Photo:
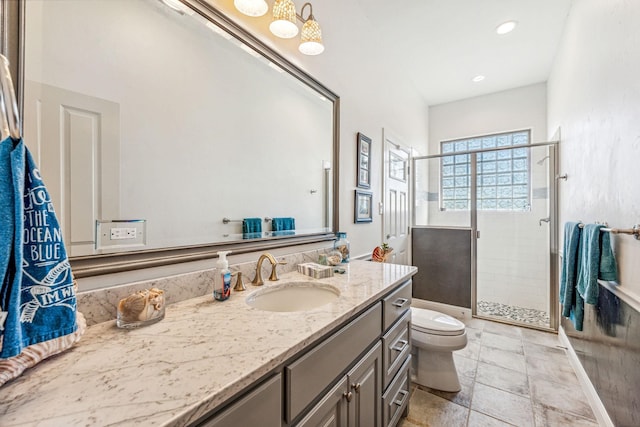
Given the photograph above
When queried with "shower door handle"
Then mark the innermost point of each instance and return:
(547, 220)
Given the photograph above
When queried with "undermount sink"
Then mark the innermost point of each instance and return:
(293, 296)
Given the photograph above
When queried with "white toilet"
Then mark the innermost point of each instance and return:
(434, 337)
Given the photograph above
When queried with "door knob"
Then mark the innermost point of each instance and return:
(348, 395)
(356, 387)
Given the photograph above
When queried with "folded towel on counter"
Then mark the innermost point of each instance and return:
(283, 224)
(572, 302)
(252, 225)
(37, 294)
(595, 261)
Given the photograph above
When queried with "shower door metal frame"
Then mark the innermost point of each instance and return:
(552, 181)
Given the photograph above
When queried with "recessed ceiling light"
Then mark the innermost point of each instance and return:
(478, 78)
(506, 27)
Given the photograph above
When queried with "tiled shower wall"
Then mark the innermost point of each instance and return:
(513, 258)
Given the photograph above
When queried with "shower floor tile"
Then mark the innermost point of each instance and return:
(529, 316)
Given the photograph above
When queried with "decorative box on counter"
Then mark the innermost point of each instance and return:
(317, 271)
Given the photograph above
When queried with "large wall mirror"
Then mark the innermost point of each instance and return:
(159, 130)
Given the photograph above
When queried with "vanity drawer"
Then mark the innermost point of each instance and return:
(396, 303)
(308, 376)
(396, 345)
(396, 399)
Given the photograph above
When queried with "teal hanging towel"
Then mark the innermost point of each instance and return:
(572, 302)
(283, 224)
(37, 297)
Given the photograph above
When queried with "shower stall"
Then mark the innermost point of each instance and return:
(485, 228)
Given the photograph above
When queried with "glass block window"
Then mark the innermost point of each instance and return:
(502, 176)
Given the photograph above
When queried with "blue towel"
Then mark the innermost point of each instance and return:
(37, 292)
(595, 261)
(572, 302)
(608, 269)
(283, 224)
(251, 235)
(252, 225)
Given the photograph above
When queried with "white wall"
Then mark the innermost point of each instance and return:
(513, 261)
(594, 97)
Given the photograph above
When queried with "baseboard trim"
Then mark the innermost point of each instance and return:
(592, 395)
(461, 313)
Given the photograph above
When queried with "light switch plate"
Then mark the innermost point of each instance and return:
(115, 234)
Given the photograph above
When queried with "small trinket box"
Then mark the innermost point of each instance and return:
(314, 270)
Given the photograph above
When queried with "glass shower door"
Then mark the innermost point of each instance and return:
(514, 222)
(484, 234)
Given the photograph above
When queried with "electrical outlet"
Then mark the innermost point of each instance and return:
(122, 233)
(119, 234)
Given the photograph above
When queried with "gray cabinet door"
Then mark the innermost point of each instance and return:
(331, 411)
(365, 386)
(261, 407)
(307, 377)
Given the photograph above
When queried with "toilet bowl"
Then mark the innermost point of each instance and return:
(434, 338)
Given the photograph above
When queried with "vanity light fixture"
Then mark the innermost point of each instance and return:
(251, 7)
(506, 27)
(284, 19)
(284, 24)
(311, 37)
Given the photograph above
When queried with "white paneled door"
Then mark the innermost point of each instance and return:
(73, 135)
(396, 213)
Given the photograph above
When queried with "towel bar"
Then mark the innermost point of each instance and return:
(226, 220)
(635, 231)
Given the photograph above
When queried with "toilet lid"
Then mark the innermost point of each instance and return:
(432, 322)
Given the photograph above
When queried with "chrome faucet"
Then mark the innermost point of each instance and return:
(257, 280)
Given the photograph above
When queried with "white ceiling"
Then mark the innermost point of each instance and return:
(440, 45)
(435, 46)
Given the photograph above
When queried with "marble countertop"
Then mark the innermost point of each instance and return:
(171, 373)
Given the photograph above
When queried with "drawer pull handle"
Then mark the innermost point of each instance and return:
(400, 348)
(404, 397)
(348, 395)
(400, 302)
(356, 387)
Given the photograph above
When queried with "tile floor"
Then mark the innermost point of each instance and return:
(510, 376)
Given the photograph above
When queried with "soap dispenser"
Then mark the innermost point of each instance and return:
(222, 277)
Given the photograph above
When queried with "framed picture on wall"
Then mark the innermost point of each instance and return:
(363, 175)
(363, 206)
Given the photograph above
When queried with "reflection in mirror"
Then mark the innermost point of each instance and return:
(140, 112)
